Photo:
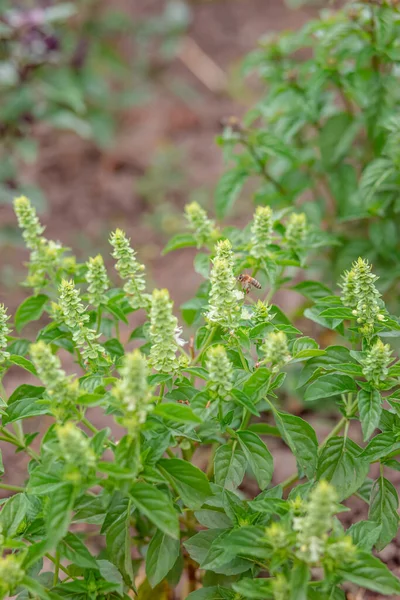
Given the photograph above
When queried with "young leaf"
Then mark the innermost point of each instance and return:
(299, 579)
(12, 514)
(157, 507)
(365, 534)
(370, 573)
(31, 309)
(384, 503)
(118, 544)
(254, 589)
(73, 548)
(330, 385)
(228, 189)
(380, 446)
(176, 412)
(229, 466)
(191, 483)
(301, 439)
(370, 408)
(258, 456)
(340, 464)
(58, 513)
(180, 240)
(161, 557)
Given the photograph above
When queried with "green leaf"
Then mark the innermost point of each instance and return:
(229, 466)
(190, 482)
(180, 240)
(58, 512)
(301, 439)
(12, 514)
(157, 507)
(161, 557)
(380, 446)
(258, 456)
(199, 544)
(249, 541)
(339, 312)
(254, 589)
(24, 363)
(257, 384)
(365, 534)
(31, 309)
(116, 311)
(340, 464)
(242, 399)
(384, 503)
(118, 541)
(36, 588)
(76, 551)
(176, 412)
(330, 385)
(370, 408)
(42, 483)
(312, 290)
(370, 573)
(23, 403)
(228, 189)
(300, 576)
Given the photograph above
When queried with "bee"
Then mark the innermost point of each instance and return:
(231, 122)
(247, 281)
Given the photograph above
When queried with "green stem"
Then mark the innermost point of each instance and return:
(11, 488)
(210, 466)
(170, 453)
(243, 360)
(161, 394)
(63, 569)
(12, 439)
(117, 334)
(89, 425)
(56, 568)
(207, 342)
(79, 359)
(98, 320)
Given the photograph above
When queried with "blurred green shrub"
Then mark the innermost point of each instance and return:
(325, 133)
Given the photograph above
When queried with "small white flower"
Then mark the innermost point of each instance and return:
(177, 335)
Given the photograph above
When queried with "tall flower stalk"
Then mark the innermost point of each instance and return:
(129, 269)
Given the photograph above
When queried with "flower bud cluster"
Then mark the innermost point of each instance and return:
(11, 574)
(60, 389)
(164, 333)
(376, 363)
(261, 231)
(46, 255)
(203, 228)
(275, 349)
(4, 331)
(280, 587)
(314, 526)
(359, 292)
(220, 371)
(296, 230)
(224, 301)
(98, 281)
(261, 313)
(75, 447)
(130, 269)
(75, 317)
(132, 391)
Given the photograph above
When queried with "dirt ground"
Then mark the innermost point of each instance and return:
(92, 191)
